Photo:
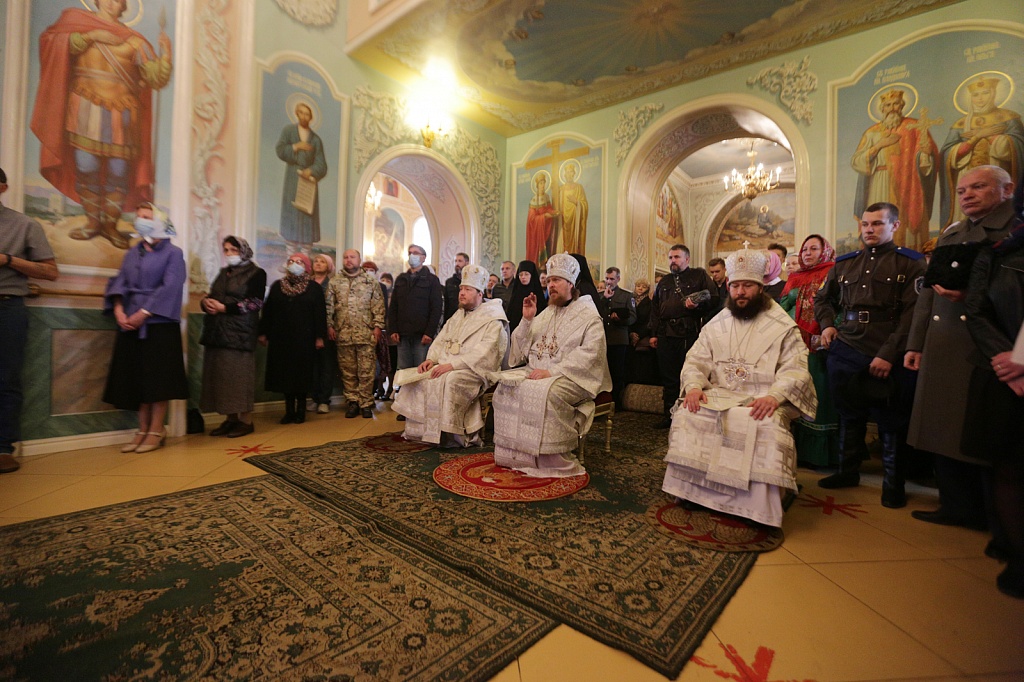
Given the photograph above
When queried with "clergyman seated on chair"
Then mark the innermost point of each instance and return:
(440, 398)
(730, 448)
(542, 408)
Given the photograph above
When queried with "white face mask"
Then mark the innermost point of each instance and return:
(233, 260)
(415, 260)
(296, 269)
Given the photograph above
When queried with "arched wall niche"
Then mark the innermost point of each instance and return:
(443, 194)
(672, 138)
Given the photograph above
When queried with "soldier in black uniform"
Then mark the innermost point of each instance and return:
(676, 318)
(865, 308)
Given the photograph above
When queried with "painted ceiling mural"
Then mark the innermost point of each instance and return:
(529, 63)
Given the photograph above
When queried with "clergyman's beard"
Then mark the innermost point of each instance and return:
(748, 312)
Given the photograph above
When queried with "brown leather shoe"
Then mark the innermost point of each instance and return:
(8, 463)
(241, 429)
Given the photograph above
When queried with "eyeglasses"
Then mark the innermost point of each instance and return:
(294, 260)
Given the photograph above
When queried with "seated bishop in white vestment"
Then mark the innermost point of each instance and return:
(730, 447)
(444, 407)
(542, 408)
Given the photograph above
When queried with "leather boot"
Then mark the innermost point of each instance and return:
(851, 447)
(894, 495)
(300, 409)
(289, 410)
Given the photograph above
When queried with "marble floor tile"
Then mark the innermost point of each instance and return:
(961, 617)
(816, 630)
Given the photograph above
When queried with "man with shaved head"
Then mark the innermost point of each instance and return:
(355, 318)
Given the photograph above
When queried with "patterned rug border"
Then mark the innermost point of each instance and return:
(502, 655)
(773, 540)
(442, 473)
(736, 566)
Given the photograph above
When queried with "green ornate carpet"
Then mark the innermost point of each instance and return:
(241, 581)
(591, 560)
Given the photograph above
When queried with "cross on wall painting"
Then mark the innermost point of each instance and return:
(558, 200)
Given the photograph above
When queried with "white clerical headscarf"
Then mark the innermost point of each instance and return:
(475, 276)
(565, 266)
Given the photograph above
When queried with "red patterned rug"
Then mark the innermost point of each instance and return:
(478, 477)
(712, 530)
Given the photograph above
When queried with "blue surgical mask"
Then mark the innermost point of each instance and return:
(415, 260)
(146, 227)
(234, 260)
(296, 269)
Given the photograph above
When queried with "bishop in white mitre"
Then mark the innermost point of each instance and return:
(444, 409)
(543, 408)
(743, 381)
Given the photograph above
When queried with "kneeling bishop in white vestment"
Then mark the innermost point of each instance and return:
(542, 409)
(445, 408)
(744, 380)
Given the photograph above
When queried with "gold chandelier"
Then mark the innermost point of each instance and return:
(755, 181)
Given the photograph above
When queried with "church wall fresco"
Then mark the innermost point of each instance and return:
(95, 146)
(302, 147)
(906, 130)
(768, 218)
(558, 200)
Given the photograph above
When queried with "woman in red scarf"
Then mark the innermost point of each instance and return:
(817, 442)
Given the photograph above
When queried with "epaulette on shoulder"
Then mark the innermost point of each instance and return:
(909, 253)
(847, 256)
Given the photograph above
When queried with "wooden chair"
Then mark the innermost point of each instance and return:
(604, 406)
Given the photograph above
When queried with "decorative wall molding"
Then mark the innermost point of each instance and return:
(310, 12)
(691, 132)
(631, 124)
(208, 112)
(447, 265)
(426, 179)
(638, 263)
(703, 203)
(380, 124)
(792, 83)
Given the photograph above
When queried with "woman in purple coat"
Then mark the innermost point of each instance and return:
(147, 369)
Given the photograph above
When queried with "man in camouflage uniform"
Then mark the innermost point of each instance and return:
(865, 308)
(355, 314)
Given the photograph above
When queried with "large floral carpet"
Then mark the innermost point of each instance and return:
(590, 560)
(243, 581)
